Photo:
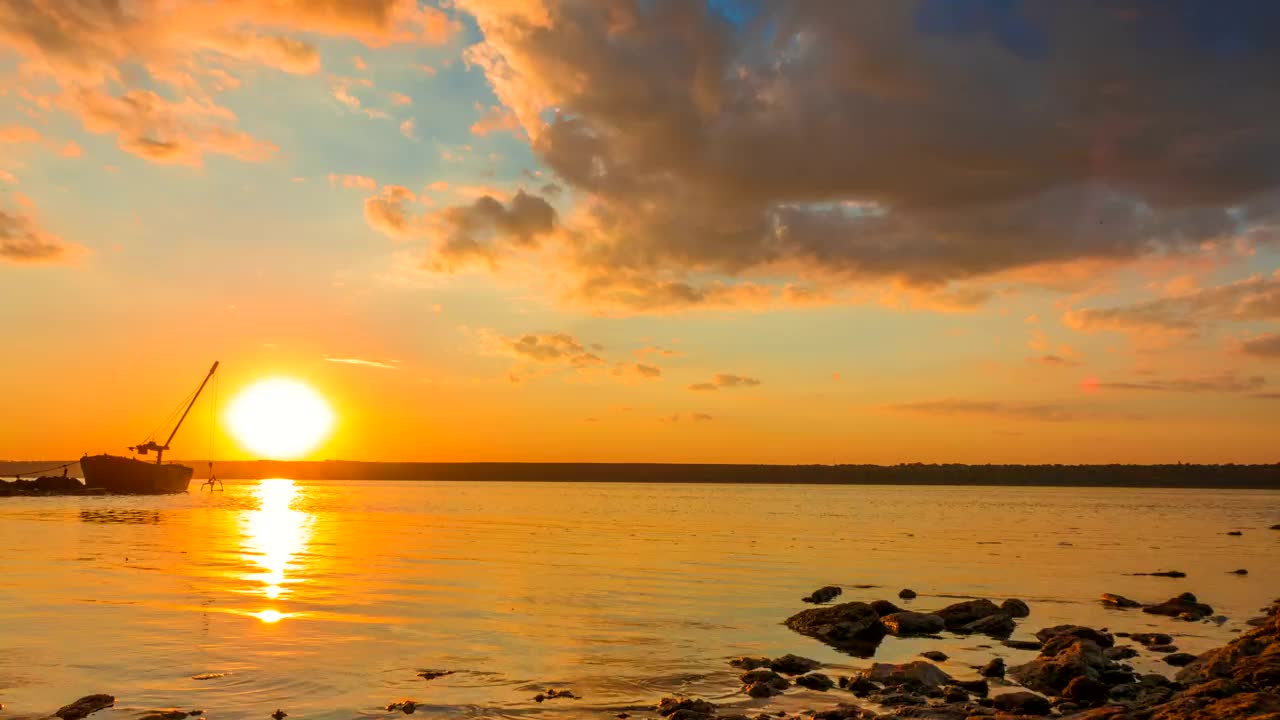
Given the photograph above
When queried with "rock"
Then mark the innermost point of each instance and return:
(1245, 706)
(1118, 601)
(763, 682)
(998, 625)
(1276, 526)
(1015, 608)
(1180, 659)
(1076, 632)
(908, 594)
(976, 687)
(1162, 648)
(815, 681)
(1151, 638)
(433, 674)
(279, 714)
(409, 707)
(1165, 573)
(1184, 604)
(1022, 644)
(895, 699)
(994, 669)
(1051, 673)
(1086, 691)
(1235, 532)
(85, 706)
(1253, 659)
(884, 607)
(1116, 676)
(852, 627)
(963, 613)
(793, 664)
(954, 694)
(762, 690)
(750, 663)
(1022, 703)
(912, 623)
(1241, 571)
(163, 714)
(935, 655)
(551, 694)
(694, 707)
(1120, 652)
(823, 594)
(915, 674)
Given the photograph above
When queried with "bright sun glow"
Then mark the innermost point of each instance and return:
(280, 418)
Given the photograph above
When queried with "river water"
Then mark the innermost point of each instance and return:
(325, 599)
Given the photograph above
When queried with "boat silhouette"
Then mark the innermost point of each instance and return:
(131, 476)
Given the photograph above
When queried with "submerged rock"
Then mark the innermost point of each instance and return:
(85, 706)
(1180, 659)
(1022, 644)
(935, 655)
(912, 623)
(793, 664)
(915, 674)
(884, 607)
(279, 714)
(1058, 633)
(960, 614)
(408, 707)
(1165, 573)
(852, 627)
(1241, 571)
(823, 594)
(692, 707)
(1015, 608)
(1118, 601)
(815, 681)
(1151, 638)
(763, 682)
(749, 662)
(998, 625)
(908, 594)
(1184, 604)
(995, 668)
(1235, 532)
(433, 674)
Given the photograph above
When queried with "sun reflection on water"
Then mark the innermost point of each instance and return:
(274, 534)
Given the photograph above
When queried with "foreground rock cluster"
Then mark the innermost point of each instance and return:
(44, 486)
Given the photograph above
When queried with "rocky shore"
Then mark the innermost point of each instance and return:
(1079, 673)
(46, 486)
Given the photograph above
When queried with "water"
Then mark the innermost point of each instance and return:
(326, 598)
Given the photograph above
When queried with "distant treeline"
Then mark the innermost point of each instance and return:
(1154, 476)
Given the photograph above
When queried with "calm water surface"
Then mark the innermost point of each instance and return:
(325, 599)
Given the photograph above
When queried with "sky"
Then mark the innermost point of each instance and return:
(647, 230)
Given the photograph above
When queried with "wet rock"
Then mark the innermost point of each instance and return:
(1151, 638)
(1245, 706)
(279, 714)
(1015, 608)
(761, 690)
(1162, 648)
(1051, 673)
(908, 594)
(852, 627)
(1180, 659)
(912, 623)
(916, 674)
(763, 682)
(1118, 601)
(1235, 532)
(823, 594)
(1184, 604)
(1253, 659)
(1086, 691)
(433, 674)
(85, 706)
(954, 694)
(935, 655)
(1060, 633)
(691, 707)
(1276, 526)
(1165, 573)
(861, 686)
(1120, 652)
(995, 668)
(975, 687)
(409, 707)
(164, 714)
(960, 614)
(840, 712)
(1241, 571)
(552, 694)
(750, 663)
(896, 699)
(884, 607)
(793, 664)
(998, 625)
(815, 681)
(1022, 703)
(1022, 644)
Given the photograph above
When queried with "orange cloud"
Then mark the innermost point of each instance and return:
(24, 242)
(352, 181)
(401, 99)
(18, 134)
(495, 119)
(389, 212)
(725, 380)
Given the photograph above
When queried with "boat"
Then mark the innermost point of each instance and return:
(131, 476)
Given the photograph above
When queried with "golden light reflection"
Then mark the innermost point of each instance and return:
(274, 534)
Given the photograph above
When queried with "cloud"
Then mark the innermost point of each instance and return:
(725, 380)
(1053, 361)
(401, 99)
(18, 134)
(494, 119)
(352, 181)
(644, 352)
(388, 211)
(1254, 298)
(1266, 345)
(24, 242)
(464, 234)
(696, 417)
(407, 128)
(989, 408)
(864, 142)
(366, 363)
(637, 370)
(543, 348)
(1226, 382)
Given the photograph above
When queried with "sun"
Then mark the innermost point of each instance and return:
(280, 418)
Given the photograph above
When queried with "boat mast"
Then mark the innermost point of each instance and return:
(151, 445)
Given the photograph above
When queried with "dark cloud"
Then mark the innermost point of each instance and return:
(948, 407)
(637, 370)
(23, 241)
(479, 231)
(1267, 346)
(725, 380)
(1254, 298)
(1227, 382)
(854, 140)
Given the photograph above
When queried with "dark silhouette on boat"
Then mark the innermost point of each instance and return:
(131, 476)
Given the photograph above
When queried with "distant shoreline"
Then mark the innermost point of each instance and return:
(1227, 476)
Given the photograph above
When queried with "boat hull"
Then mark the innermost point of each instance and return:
(127, 476)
